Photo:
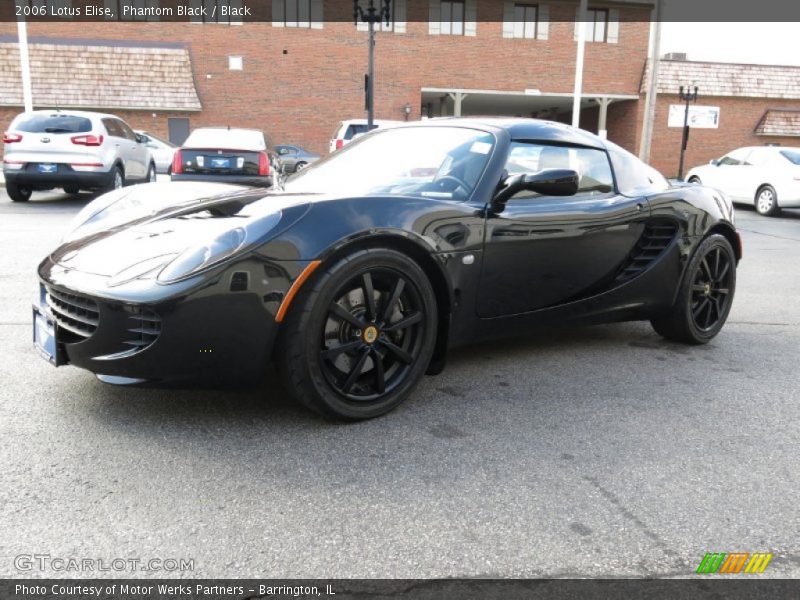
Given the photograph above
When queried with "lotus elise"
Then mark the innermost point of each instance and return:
(359, 273)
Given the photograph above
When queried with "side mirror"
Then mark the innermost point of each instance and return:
(713, 162)
(142, 139)
(548, 182)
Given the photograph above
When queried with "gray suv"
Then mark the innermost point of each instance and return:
(73, 150)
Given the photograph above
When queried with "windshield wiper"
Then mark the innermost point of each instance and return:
(57, 130)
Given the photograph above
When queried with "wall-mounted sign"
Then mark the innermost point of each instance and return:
(700, 117)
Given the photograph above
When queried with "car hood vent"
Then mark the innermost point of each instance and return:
(655, 239)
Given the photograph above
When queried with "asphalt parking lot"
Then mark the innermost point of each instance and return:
(600, 452)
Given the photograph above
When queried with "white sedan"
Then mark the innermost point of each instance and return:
(767, 177)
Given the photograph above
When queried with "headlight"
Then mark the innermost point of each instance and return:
(225, 245)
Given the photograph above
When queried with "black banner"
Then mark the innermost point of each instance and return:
(423, 589)
(255, 11)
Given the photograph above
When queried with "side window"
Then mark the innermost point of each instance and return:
(633, 176)
(127, 132)
(112, 128)
(591, 165)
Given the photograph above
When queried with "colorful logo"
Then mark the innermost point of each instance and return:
(734, 562)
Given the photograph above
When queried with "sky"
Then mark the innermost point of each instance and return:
(757, 43)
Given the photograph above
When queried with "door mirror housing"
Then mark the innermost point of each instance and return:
(547, 182)
(142, 139)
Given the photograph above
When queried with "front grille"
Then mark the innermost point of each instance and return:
(657, 236)
(145, 327)
(76, 315)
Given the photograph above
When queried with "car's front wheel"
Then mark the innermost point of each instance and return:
(360, 337)
(767, 201)
(18, 193)
(151, 173)
(705, 296)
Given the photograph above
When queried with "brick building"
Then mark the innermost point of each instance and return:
(298, 75)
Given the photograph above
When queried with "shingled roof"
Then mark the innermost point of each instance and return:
(728, 79)
(101, 76)
(779, 122)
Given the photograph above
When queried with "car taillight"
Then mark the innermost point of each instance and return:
(177, 162)
(263, 163)
(11, 138)
(339, 144)
(87, 140)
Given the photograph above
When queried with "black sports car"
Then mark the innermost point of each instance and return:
(359, 275)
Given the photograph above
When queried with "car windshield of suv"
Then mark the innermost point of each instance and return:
(55, 123)
(430, 162)
(792, 155)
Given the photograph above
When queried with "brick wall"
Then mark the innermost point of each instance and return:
(297, 84)
(737, 121)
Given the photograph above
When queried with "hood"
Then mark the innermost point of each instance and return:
(126, 227)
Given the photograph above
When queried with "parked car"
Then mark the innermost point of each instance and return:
(347, 130)
(224, 154)
(767, 177)
(74, 150)
(359, 274)
(294, 158)
(163, 151)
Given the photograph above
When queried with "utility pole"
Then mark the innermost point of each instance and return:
(651, 96)
(371, 16)
(25, 64)
(688, 96)
(576, 98)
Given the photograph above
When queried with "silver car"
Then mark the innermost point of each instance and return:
(73, 150)
(163, 151)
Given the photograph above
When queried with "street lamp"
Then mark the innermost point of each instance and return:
(687, 96)
(372, 16)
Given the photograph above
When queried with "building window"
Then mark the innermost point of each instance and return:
(602, 25)
(452, 22)
(297, 13)
(525, 17)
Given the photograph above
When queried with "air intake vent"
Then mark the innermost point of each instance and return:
(239, 281)
(145, 327)
(77, 316)
(655, 239)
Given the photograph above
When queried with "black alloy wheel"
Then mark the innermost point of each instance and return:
(705, 297)
(363, 336)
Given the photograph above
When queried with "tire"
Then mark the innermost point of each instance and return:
(71, 190)
(151, 173)
(18, 193)
(300, 166)
(695, 179)
(705, 296)
(333, 356)
(766, 201)
(117, 180)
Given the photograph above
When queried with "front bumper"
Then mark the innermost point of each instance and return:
(65, 177)
(250, 180)
(213, 329)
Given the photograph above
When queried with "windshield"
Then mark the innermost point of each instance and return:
(792, 155)
(432, 162)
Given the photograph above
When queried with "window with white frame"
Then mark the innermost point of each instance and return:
(601, 24)
(526, 21)
(453, 17)
(297, 13)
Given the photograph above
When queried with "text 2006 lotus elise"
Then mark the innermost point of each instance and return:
(365, 268)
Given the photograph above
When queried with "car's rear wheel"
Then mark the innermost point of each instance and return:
(300, 166)
(695, 179)
(18, 193)
(360, 337)
(766, 201)
(705, 296)
(117, 180)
